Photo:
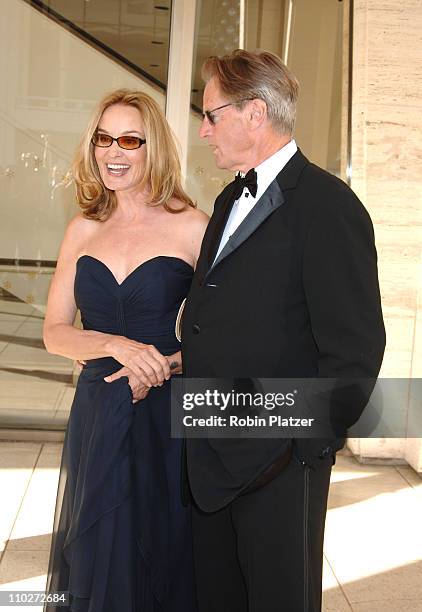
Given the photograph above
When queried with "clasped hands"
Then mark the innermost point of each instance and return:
(144, 366)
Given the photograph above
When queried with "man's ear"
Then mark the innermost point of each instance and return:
(257, 113)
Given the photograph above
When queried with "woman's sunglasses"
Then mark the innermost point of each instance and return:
(125, 142)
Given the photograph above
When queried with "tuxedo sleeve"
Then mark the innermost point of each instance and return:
(340, 281)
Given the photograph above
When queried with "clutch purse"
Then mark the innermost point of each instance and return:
(178, 325)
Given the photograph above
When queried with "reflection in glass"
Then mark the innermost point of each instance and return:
(53, 81)
(137, 31)
(217, 33)
(309, 37)
(312, 38)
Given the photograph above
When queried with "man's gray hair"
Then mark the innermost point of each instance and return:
(243, 75)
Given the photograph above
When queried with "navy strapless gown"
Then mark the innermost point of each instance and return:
(122, 539)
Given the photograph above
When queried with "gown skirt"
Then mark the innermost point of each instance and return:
(121, 536)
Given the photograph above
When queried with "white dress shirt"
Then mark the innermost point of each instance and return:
(266, 173)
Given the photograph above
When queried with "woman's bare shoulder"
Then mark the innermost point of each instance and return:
(77, 232)
(194, 224)
(79, 223)
(196, 216)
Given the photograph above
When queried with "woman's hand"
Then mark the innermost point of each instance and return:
(148, 365)
(139, 390)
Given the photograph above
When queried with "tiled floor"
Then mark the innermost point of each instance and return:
(373, 542)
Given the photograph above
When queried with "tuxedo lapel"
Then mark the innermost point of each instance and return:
(272, 199)
(266, 205)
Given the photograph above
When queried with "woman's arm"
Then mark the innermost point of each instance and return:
(196, 232)
(62, 338)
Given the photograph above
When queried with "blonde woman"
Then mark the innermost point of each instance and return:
(121, 535)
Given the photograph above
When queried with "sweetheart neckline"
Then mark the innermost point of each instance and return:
(135, 269)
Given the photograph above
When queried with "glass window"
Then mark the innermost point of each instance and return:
(137, 31)
(53, 81)
(312, 39)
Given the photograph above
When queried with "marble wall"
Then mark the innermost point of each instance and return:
(387, 176)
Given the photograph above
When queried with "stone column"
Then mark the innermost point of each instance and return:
(387, 176)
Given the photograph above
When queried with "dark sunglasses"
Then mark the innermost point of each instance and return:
(125, 142)
(209, 114)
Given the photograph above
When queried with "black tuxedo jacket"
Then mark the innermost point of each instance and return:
(293, 294)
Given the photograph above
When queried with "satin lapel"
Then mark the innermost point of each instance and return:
(269, 202)
(220, 222)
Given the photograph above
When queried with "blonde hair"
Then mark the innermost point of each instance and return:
(243, 75)
(162, 175)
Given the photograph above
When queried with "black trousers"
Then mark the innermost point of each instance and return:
(263, 552)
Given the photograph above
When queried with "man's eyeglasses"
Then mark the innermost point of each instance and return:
(209, 114)
(125, 142)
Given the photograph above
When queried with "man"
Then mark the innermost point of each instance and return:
(286, 287)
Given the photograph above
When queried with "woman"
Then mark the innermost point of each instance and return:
(121, 536)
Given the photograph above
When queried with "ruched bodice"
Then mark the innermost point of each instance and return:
(143, 307)
(122, 538)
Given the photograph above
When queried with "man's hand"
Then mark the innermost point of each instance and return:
(175, 362)
(139, 389)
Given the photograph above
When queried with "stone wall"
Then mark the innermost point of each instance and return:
(387, 176)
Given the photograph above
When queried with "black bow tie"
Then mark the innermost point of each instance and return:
(249, 181)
